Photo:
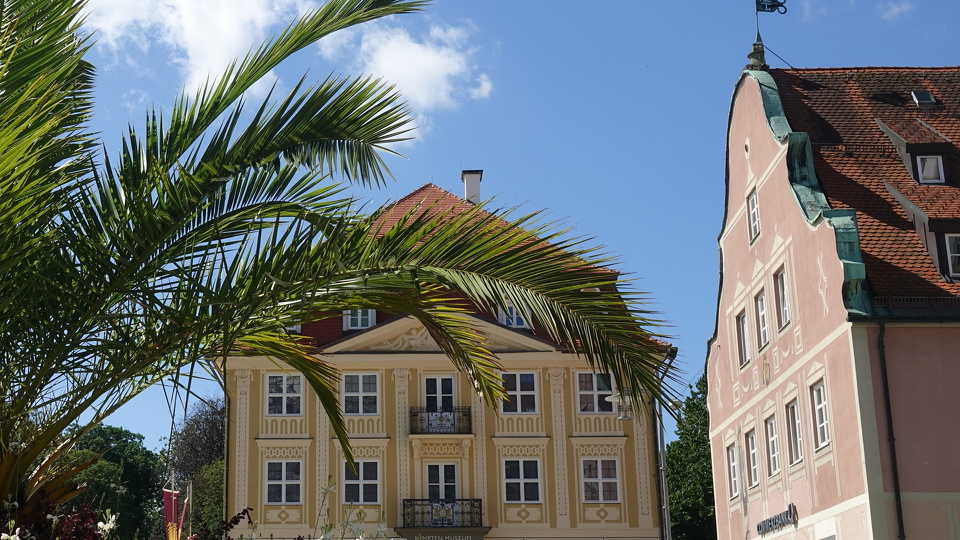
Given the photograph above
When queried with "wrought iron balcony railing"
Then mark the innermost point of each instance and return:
(442, 513)
(425, 420)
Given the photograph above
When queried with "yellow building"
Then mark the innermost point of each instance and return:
(555, 460)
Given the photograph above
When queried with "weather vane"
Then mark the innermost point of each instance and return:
(769, 6)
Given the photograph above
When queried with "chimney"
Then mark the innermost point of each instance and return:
(471, 185)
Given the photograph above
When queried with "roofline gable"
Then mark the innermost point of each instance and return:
(506, 340)
(808, 192)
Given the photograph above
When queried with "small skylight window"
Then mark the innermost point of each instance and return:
(923, 98)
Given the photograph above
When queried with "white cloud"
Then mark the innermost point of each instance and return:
(483, 89)
(893, 11)
(201, 38)
(424, 71)
(135, 101)
(811, 9)
(433, 69)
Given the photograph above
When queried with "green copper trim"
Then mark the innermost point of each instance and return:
(809, 194)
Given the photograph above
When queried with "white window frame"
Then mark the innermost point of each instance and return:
(773, 446)
(795, 432)
(821, 421)
(361, 481)
(732, 470)
(600, 481)
(753, 214)
(594, 398)
(753, 464)
(290, 399)
(511, 317)
(516, 394)
(760, 303)
(939, 161)
(288, 467)
(522, 481)
(953, 255)
(782, 292)
(361, 393)
(359, 319)
(743, 338)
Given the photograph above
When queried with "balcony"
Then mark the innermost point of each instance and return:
(427, 513)
(428, 421)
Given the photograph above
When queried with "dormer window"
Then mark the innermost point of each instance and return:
(358, 319)
(930, 169)
(953, 254)
(511, 316)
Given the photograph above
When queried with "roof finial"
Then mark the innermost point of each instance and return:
(758, 61)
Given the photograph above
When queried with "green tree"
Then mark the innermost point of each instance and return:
(220, 224)
(689, 476)
(199, 439)
(126, 480)
(197, 460)
(206, 510)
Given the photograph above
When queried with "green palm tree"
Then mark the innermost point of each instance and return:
(217, 227)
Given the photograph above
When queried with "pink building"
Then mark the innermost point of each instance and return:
(834, 370)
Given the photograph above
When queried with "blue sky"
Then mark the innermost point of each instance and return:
(610, 114)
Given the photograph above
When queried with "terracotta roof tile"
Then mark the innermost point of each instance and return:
(856, 161)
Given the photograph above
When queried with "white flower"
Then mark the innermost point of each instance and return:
(110, 525)
(14, 536)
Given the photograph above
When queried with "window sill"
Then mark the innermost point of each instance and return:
(823, 446)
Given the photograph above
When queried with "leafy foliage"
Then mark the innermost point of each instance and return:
(197, 459)
(127, 478)
(199, 439)
(206, 510)
(217, 227)
(689, 477)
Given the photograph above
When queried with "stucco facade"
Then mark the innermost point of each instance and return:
(824, 324)
(433, 460)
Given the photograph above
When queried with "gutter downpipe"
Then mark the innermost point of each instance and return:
(658, 437)
(663, 494)
(898, 499)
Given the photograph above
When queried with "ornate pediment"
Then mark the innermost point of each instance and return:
(408, 335)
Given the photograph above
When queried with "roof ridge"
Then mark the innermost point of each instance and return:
(870, 68)
(423, 188)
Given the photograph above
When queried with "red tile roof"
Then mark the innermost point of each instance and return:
(427, 197)
(855, 160)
